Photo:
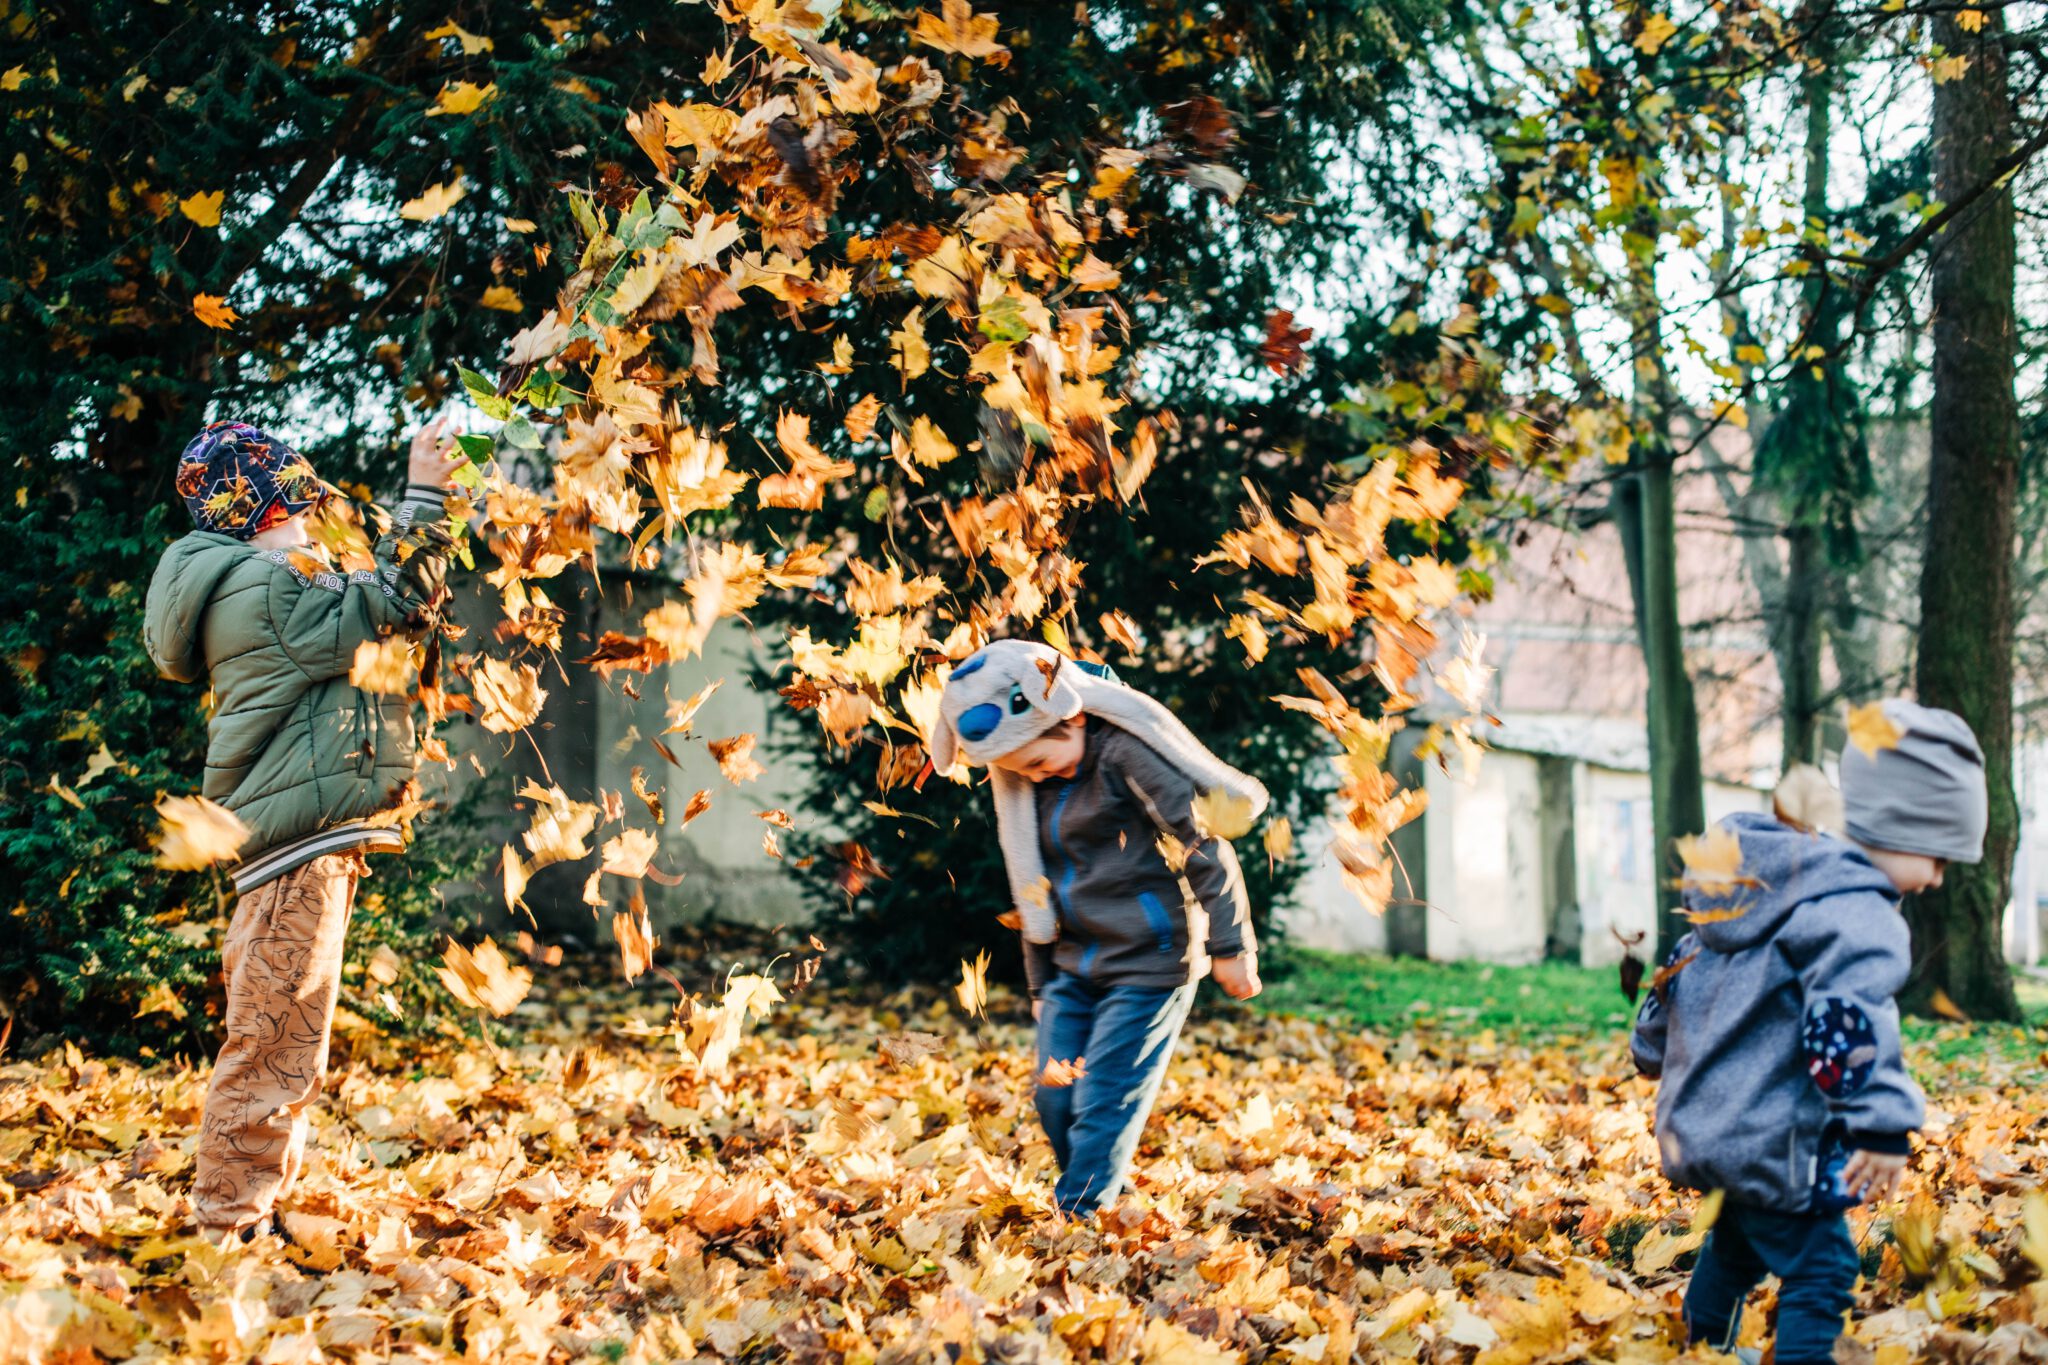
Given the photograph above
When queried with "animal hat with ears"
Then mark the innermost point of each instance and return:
(1011, 692)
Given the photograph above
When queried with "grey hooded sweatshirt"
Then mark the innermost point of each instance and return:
(1777, 1040)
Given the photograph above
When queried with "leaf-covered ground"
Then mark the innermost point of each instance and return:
(866, 1182)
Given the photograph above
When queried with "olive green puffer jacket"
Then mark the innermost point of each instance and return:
(292, 748)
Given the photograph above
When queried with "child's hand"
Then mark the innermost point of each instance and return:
(1238, 976)
(1873, 1177)
(433, 458)
(1036, 1006)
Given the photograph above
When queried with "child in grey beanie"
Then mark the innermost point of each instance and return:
(1777, 1039)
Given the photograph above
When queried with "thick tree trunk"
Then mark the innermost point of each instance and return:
(1966, 584)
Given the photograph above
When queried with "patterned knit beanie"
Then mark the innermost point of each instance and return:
(239, 481)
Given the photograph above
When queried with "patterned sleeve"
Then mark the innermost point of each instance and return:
(1853, 954)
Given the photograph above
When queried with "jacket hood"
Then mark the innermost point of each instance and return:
(183, 587)
(1783, 868)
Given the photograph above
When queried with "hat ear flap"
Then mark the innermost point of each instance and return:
(945, 748)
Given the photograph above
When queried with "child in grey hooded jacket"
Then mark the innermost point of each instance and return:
(1776, 1036)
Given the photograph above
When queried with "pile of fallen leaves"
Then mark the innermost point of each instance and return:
(848, 1181)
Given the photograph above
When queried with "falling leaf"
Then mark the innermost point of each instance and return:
(482, 978)
(501, 298)
(1279, 839)
(472, 44)
(972, 992)
(1713, 861)
(860, 419)
(1872, 731)
(194, 833)
(510, 695)
(1123, 630)
(900, 1050)
(736, 758)
(384, 965)
(636, 940)
(1940, 1003)
(957, 28)
(160, 999)
(203, 208)
(1282, 349)
(681, 714)
(1219, 815)
(1656, 31)
(907, 348)
(99, 764)
(1059, 1073)
(461, 97)
(628, 853)
(213, 310)
(433, 201)
(383, 666)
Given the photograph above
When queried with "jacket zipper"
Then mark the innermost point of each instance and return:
(1063, 888)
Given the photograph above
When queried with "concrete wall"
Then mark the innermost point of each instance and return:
(1535, 856)
(592, 734)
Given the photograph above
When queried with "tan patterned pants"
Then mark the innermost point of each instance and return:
(282, 961)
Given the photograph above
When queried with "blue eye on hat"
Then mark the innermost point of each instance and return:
(1019, 703)
(979, 722)
(971, 663)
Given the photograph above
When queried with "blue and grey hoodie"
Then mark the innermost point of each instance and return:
(1777, 1041)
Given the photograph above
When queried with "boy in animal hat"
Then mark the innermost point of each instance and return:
(1124, 901)
(1777, 1040)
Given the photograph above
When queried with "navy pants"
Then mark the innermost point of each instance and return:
(1125, 1034)
(1815, 1261)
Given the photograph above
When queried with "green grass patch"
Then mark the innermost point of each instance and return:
(1559, 1002)
(1550, 1000)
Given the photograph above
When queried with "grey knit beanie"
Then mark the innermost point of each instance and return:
(1924, 794)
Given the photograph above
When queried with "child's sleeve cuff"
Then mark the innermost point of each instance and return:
(1890, 1144)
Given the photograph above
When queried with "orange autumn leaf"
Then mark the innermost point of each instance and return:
(213, 310)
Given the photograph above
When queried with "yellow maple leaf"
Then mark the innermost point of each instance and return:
(195, 833)
(502, 298)
(908, 350)
(1713, 861)
(957, 28)
(510, 694)
(472, 44)
(1219, 815)
(160, 999)
(1872, 731)
(213, 310)
(203, 208)
(463, 97)
(972, 992)
(482, 978)
(383, 666)
(1657, 31)
(928, 445)
(433, 201)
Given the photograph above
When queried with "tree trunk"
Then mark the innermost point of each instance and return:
(1645, 514)
(1798, 640)
(1966, 583)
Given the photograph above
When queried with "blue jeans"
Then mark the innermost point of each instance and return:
(1125, 1034)
(1815, 1261)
